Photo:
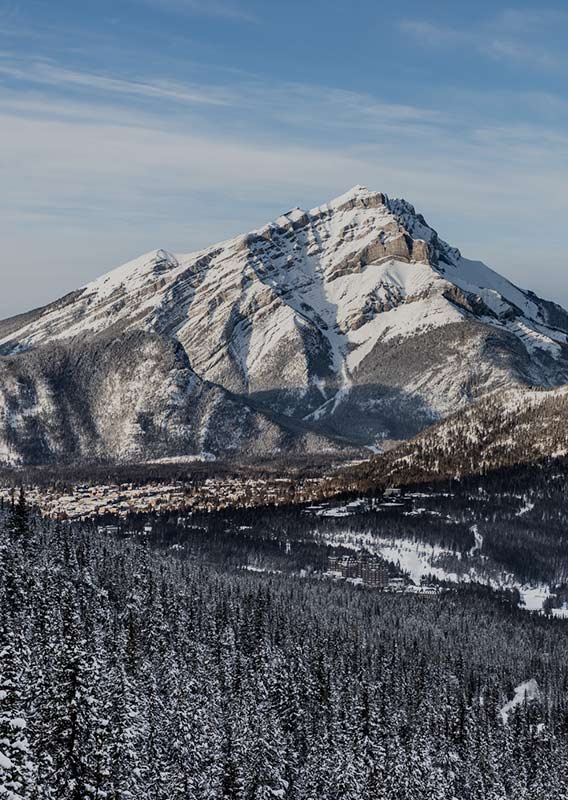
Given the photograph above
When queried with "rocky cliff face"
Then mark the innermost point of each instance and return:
(353, 319)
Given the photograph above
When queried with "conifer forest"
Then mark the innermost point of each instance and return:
(132, 669)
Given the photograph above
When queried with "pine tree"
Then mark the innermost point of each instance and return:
(17, 778)
(20, 514)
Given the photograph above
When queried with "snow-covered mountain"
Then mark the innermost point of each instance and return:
(353, 319)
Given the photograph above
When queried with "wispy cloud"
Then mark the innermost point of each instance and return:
(70, 153)
(223, 9)
(530, 20)
(433, 35)
(293, 103)
(521, 52)
(42, 72)
(95, 167)
(84, 134)
(507, 37)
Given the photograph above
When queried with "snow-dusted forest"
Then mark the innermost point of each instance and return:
(131, 673)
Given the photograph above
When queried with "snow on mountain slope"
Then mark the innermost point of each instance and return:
(353, 318)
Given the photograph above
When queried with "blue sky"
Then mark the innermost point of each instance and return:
(137, 124)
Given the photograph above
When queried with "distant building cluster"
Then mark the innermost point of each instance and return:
(373, 572)
(369, 570)
(84, 502)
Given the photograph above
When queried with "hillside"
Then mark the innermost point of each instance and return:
(504, 430)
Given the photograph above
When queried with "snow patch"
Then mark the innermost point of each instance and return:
(524, 693)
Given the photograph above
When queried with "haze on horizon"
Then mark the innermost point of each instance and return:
(139, 124)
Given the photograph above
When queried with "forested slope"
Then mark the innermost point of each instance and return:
(503, 431)
(127, 674)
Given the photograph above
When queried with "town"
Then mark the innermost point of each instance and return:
(86, 501)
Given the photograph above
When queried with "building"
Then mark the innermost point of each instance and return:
(370, 570)
(374, 573)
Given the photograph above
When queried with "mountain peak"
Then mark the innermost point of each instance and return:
(357, 195)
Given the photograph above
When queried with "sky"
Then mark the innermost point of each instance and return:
(131, 125)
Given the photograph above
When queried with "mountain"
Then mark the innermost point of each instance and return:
(503, 430)
(350, 323)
